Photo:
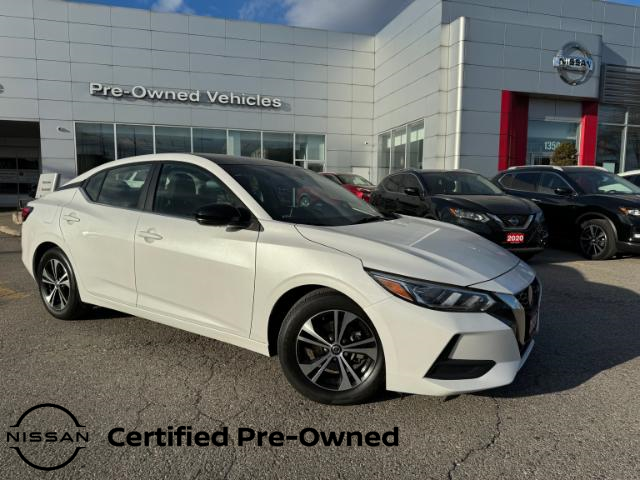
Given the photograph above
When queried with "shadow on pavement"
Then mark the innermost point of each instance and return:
(586, 328)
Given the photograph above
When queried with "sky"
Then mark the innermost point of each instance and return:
(357, 16)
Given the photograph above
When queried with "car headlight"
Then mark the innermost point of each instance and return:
(632, 212)
(433, 295)
(469, 215)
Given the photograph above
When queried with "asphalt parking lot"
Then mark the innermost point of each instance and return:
(573, 412)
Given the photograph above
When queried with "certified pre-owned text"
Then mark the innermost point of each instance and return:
(183, 436)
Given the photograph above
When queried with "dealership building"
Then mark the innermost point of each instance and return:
(475, 84)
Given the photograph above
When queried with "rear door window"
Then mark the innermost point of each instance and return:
(393, 183)
(123, 186)
(525, 182)
(93, 186)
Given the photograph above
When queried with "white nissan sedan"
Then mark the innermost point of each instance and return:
(351, 301)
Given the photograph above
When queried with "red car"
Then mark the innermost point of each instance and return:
(359, 186)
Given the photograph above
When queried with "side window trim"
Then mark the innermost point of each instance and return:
(502, 178)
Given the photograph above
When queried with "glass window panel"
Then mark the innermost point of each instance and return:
(634, 116)
(316, 166)
(384, 154)
(133, 140)
(399, 149)
(544, 137)
(183, 189)
(609, 147)
(209, 141)
(525, 182)
(123, 186)
(416, 144)
(611, 114)
(173, 140)
(632, 161)
(309, 147)
(244, 144)
(278, 146)
(94, 145)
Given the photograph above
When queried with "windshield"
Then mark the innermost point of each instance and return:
(459, 183)
(295, 195)
(599, 181)
(356, 180)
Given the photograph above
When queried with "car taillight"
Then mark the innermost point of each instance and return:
(26, 211)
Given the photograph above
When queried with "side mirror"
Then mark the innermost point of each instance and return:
(563, 191)
(412, 191)
(222, 214)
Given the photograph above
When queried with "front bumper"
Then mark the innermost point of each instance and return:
(536, 234)
(416, 340)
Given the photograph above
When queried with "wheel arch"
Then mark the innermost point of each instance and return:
(288, 299)
(595, 215)
(43, 248)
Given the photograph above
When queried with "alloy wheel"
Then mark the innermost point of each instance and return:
(56, 286)
(593, 240)
(336, 350)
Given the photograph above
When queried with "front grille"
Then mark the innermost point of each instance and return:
(515, 221)
(529, 298)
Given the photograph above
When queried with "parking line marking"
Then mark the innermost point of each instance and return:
(9, 294)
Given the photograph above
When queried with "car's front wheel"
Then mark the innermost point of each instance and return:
(58, 287)
(597, 239)
(330, 351)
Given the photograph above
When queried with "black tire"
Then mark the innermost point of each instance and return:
(597, 239)
(319, 306)
(50, 274)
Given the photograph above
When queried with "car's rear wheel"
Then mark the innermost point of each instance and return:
(330, 351)
(58, 286)
(597, 239)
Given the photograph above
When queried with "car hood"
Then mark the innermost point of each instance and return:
(496, 204)
(418, 248)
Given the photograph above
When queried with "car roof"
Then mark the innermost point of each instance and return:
(630, 172)
(553, 167)
(436, 170)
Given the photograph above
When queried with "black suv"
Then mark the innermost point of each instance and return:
(596, 209)
(466, 199)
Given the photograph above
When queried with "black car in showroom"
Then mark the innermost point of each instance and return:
(588, 206)
(466, 199)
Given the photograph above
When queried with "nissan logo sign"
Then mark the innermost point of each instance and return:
(574, 63)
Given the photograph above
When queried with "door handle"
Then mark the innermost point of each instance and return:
(537, 200)
(150, 235)
(71, 218)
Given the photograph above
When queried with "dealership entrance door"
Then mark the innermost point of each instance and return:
(19, 161)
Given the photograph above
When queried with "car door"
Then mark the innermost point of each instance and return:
(99, 226)
(410, 204)
(560, 210)
(202, 274)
